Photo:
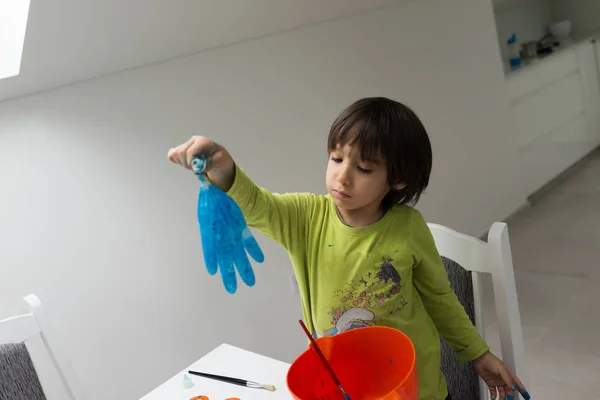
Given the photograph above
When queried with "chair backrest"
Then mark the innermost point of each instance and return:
(14, 333)
(462, 379)
(466, 260)
(18, 376)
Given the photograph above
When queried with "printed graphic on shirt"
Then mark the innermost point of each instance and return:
(367, 300)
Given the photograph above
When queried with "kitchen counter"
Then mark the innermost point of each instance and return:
(529, 64)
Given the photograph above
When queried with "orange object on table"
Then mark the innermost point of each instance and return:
(372, 363)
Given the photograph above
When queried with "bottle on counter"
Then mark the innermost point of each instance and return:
(514, 51)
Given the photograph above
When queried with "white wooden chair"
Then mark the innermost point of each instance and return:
(19, 376)
(466, 259)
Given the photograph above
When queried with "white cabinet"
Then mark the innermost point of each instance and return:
(544, 111)
(594, 107)
(548, 158)
(501, 4)
(587, 59)
(556, 108)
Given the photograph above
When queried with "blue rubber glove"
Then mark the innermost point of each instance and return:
(225, 234)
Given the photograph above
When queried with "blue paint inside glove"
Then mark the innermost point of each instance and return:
(224, 232)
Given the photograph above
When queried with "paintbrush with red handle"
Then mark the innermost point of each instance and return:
(324, 361)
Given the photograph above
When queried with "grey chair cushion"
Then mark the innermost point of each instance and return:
(462, 379)
(18, 377)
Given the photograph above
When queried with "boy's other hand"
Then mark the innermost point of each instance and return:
(501, 381)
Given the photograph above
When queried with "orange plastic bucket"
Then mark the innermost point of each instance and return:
(372, 363)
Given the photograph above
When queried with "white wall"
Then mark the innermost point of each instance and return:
(529, 19)
(98, 223)
(585, 14)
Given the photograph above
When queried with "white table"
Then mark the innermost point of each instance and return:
(229, 361)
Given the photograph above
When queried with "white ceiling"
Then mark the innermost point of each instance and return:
(73, 40)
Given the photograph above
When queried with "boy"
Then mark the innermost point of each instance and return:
(362, 255)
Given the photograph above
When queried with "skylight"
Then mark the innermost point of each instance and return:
(13, 23)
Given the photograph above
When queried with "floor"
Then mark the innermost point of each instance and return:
(556, 255)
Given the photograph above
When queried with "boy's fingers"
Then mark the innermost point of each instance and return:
(209, 151)
(520, 387)
(177, 154)
(171, 155)
(188, 151)
(501, 393)
(215, 156)
(493, 392)
(185, 153)
(506, 377)
(509, 382)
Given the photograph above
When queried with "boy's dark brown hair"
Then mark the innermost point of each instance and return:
(387, 131)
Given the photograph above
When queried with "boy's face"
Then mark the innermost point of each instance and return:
(355, 184)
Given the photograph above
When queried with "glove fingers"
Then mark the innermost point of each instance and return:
(243, 266)
(252, 246)
(207, 233)
(228, 274)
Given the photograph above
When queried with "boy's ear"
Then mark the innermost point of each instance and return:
(399, 186)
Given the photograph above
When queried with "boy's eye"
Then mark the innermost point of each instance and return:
(364, 170)
(336, 160)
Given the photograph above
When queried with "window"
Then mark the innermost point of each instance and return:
(13, 23)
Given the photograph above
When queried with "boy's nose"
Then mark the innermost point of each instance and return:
(343, 177)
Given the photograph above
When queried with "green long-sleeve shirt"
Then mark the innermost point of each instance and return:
(388, 274)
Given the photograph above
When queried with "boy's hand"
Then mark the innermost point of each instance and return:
(220, 165)
(501, 381)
